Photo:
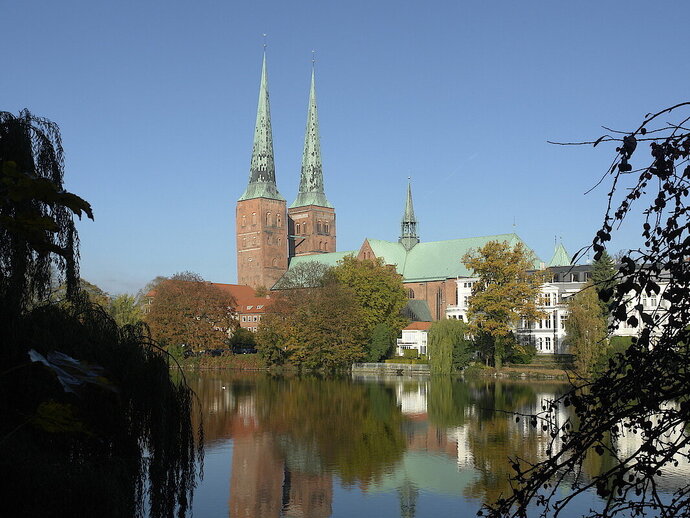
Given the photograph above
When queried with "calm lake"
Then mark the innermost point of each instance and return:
(381, 447)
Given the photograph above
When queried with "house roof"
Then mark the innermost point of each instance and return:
(435, 260)
(418, 326)
(245, 296)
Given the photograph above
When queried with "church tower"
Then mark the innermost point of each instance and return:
(311, 217)
(408, 226)
(261, 218)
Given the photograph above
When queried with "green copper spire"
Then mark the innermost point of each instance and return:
(408, 235)
(262, 171)
(560, 256)
(311, 180)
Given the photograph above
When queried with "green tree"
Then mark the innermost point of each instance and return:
(506, 291)
(604, 279)
(449, 346)
(242, 339)
(381, 343)
(309, 274)
(586, 330)
(187, 310)
(125, 310)
(378, 289)
(313, 328)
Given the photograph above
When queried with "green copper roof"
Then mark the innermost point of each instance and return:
(262, 171)
(560, 257)
(417, 310)
(408, 230)
(311, 191)
(436, 260)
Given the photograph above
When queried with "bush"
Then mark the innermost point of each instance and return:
(411, 354)
(408, 361)
(523, 354)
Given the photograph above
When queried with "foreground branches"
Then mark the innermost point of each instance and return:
(638, 410)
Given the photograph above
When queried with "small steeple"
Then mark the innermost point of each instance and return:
(262, 171)
(560, 257)
(408, 234)
(311, 191)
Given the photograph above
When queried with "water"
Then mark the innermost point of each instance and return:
(317, 448)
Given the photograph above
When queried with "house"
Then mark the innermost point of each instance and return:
(414, 336)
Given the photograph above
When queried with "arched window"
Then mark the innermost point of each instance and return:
(244, 220)
(318, 227)
(325, 228)
(244, 242)
(253, 218)
(304, 228)
(298, 229)
(279, 221)
(275, 262)
(410, 293)
(439, 302)
(268, 219)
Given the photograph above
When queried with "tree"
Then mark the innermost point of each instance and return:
(242, 339)
(125, 310)
(586, 330)
(92, 423)
(378, 289)
(506, 291)
(646, 390)
(449, 346)
(304, 275)
(603, 278)
(187, 310)
(313, 328)
(382, 339)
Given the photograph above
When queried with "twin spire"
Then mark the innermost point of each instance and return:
(262, 174)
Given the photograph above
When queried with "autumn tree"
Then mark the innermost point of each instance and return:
(378, 289)
(187, 310)
(506, 290)
(313, 328)
(645, 391)
(449, 346)
(586, 330)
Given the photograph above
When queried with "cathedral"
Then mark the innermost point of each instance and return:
(269, 233)
(272, 237)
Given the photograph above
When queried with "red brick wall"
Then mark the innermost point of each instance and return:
(312, 230)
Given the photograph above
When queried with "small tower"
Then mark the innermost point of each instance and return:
(408, 232)
(261, 218)
(311, 216)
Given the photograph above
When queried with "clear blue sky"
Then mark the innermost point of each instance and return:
(157, 100)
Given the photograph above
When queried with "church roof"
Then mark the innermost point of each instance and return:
(435, 260)
(262, 171)
(311, 189)
(560, 257)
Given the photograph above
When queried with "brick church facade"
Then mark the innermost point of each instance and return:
(268, 232)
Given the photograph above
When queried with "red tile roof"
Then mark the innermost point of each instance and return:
(422, 326)
(247, 301)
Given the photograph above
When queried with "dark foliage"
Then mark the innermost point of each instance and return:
(92, 424)
(645, 390)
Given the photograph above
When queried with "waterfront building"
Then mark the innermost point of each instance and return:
(414, 337)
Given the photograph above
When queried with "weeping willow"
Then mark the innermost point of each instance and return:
(97, 427)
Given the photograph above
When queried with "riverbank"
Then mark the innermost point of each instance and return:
(244, 362)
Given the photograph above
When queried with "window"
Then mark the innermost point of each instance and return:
(410, 293)
(298, 230)
(244, 242)
(564, 319)
(325, 228)
(547, 322)
(652, 302)
(253, 218)
(244, 220)
(540, 344)
(275, 262)
(574, 277)
(279, 221)
(547, 343)
(259, 306)
(254, 318)
(244, 318)
(466, 301)
(318, 227)
(268, 219)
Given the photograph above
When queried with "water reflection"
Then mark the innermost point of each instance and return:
(311, 447)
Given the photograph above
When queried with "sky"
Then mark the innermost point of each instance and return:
(156, 101)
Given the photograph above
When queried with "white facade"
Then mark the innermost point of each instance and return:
(412, 339)
(547, 334)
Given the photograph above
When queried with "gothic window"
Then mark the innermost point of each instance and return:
(279, 221)
(299, 229)
(410, 293)
(244, 220)
(268, 219)
(253, 218)
(304, 228)
(325, 228)
(439, 302)
(318, 227)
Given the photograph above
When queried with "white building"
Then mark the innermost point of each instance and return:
(414, 336)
